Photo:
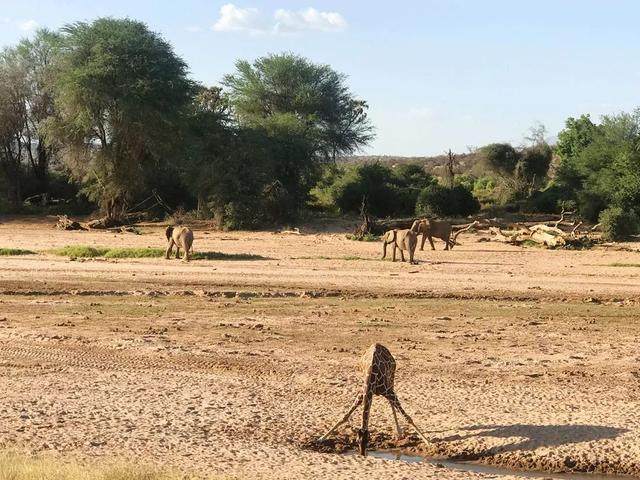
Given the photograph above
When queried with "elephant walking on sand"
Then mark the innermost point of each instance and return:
(403, 240)
(181, 237)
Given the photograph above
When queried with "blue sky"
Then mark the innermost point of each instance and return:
(437, 74)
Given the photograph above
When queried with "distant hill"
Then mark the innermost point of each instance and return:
(464, 162)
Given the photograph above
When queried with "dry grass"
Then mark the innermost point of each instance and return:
(18, 467)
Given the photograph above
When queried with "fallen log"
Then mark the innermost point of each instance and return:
(65, 223)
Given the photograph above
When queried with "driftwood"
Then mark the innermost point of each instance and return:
(65, 223)
(106, 223)
(548, 236)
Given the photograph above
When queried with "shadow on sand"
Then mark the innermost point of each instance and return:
(536, 436)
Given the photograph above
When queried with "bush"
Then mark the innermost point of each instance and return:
(439, 201)
(590, 205)
(373, 182)
(549, 200)
(617, 223)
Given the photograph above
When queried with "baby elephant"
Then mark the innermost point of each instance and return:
(181, 237)
(401, 240)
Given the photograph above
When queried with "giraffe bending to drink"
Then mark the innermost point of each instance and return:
(379, 368)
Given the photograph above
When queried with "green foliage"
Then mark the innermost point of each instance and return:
(134, 253)
(520, 170)
(500, 157)
(79, 251)
(550, 199)
(438, 201)
(13, 252)
(617, 223)
(85, 251)
(317, 95)
(601, 163)
(385, 191)
(576, 136)
(226, 256)
(120, 90)
(367, 237)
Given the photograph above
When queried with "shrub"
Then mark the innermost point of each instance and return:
(373, 182)
(549, 200)
(590, 205)
(617, 223)
(439, 201)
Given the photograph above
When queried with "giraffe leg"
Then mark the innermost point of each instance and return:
(395, 420)
(395, 402)
(344, 419)
(363, 433)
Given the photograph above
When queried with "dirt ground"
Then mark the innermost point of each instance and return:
(524, 358)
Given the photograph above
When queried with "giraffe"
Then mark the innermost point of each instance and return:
(379, 368)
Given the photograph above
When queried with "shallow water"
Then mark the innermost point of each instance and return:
(486, 469)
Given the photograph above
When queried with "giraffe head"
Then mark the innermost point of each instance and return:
(363, 441)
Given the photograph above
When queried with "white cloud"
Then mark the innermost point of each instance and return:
(309, 19)
(252, 20)
(28, 25)
(5, 20)
(235, 19)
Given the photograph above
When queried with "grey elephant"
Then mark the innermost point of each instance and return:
(181, 237)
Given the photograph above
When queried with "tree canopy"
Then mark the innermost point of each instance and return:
(120, 93)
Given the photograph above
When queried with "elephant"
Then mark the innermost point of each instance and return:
(181, 237)
(434, 228)
(402, 240)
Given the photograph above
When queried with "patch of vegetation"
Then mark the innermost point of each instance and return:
(439, 201)
(367, 237)
(226, 256)
(135, 253)
(85, 251)
(618, 223)
(12, 252)
(80, 251)
(18, 467)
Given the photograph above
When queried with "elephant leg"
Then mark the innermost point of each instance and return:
(384, 249)
(424, 239)
(395, 247)
(169, 248)
(402, 254)
(433, 247)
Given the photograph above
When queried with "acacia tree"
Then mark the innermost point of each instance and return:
(12, 120)
(315, 95)
(120, 95)
(303, 115)
(37, 58)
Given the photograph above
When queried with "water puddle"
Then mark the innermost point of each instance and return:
(475, 467)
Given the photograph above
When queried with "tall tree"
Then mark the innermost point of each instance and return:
(316, 95)
(13, 91)
(38, 56)
(121, 93)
